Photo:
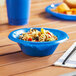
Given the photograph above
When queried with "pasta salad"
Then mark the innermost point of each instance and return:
(38, 36)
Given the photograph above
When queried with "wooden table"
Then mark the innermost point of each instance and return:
(14, 63)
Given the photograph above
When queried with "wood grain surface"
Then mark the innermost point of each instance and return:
(14, 63)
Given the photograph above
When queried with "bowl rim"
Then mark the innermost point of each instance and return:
(30, 42)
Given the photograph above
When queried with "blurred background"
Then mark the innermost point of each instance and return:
(3, 11)
(3, 14)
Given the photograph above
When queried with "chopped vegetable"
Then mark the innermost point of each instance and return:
(37, 38)
(30, 39)
(50, 34)
(42, 31)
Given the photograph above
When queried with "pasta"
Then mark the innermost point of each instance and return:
(38, 36)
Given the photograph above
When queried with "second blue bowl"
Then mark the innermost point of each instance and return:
(59, 15)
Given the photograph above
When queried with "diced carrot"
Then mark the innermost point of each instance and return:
(30, 39)
(29, 33)
(49, 34)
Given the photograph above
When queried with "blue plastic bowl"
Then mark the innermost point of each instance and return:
(38, 48)
(59, 15)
